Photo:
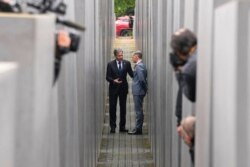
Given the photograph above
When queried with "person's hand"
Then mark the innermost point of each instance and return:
(178, 68)
(117, 81)
(178, 129)
(63, 39)
(176, 61)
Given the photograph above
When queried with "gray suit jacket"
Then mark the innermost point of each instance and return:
(139, 84)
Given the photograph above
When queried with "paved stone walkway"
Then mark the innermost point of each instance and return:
(121, 149)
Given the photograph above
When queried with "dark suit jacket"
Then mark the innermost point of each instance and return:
(187, 85)
(188, 78)
(113, 73)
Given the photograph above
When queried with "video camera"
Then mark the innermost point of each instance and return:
(46, 6)
(175, 60)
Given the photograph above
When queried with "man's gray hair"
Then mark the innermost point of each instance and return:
(138, 53)
(116, 51)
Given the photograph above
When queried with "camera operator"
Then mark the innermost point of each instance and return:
(183, 59)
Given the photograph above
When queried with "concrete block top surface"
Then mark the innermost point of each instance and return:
(25, 35)
(6, 67)
(28, 16)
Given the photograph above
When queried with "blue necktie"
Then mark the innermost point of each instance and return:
(120, 67)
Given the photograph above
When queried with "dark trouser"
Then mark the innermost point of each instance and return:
(112, 109)
(191, 151)
(138, 102)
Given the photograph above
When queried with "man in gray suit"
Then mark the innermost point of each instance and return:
(139, 90)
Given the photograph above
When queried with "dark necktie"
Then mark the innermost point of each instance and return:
(119, 67)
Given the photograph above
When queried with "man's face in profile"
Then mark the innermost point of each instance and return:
(135, 58)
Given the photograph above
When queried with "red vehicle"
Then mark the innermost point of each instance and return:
(123, 26)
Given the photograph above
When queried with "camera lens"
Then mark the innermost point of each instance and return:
(75, 42)
(175, 60)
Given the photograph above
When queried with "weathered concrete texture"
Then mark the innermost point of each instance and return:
(8, 111)
(60, 125)
(156, 21)
(222, 92)
(231, 86)
(81, 89)
(31, 46)
(222, 109)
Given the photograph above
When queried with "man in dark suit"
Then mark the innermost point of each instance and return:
(116, 75)
(139, 90)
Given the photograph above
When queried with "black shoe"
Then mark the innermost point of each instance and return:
(123, 130)
(112, 130)
(135, 132)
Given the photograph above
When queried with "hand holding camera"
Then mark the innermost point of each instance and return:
(63, 39)
(175, 61)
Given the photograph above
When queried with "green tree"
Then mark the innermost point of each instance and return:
(124, 7)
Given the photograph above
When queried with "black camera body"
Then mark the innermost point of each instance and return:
(60, 51)
(75, 42)
(175, 60)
